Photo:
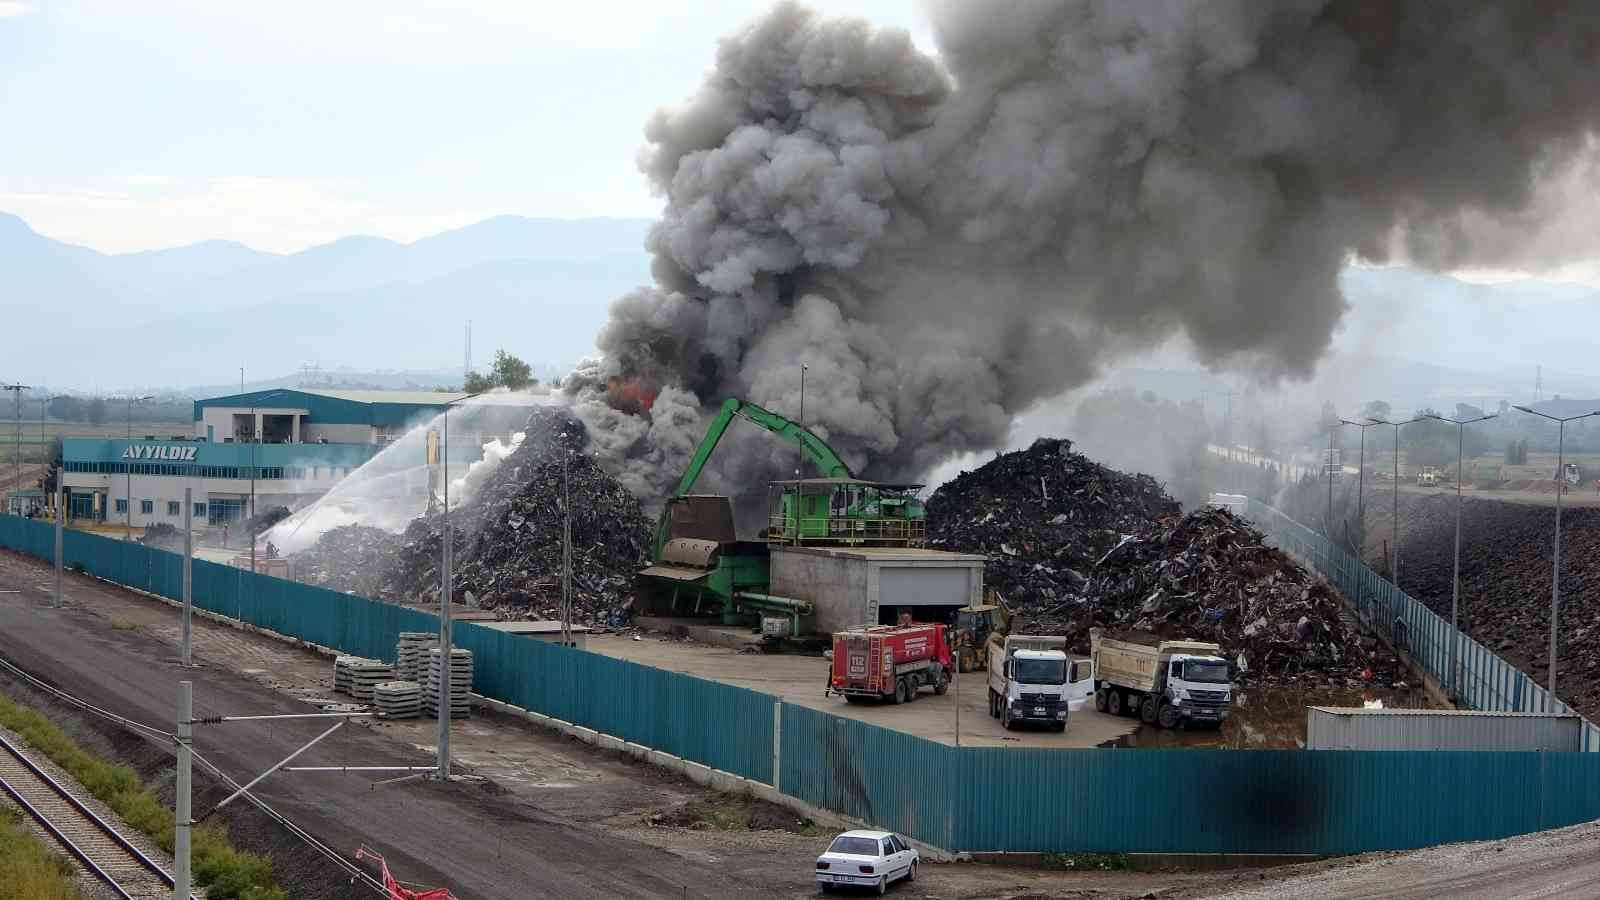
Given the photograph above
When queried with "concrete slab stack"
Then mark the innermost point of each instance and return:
(410, 652)
(366, 675)
(398, 699)
(455, 690)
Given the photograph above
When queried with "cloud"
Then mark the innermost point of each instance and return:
(141, 212)
(12, 9)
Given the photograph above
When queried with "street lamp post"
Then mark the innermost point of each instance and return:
(16, 459)
(446, 592)
(1455, 572)
(1361, 485)
(128, 506)
(1555, 567)
(1394, 558)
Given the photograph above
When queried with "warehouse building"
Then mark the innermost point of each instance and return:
(288, 446)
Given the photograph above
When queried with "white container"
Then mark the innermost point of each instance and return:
(1344, 728)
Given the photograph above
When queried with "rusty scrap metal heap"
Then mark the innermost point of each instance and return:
(1043, 516)
(1209, 576)
(509, 535)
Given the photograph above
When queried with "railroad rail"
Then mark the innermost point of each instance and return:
(83, 835)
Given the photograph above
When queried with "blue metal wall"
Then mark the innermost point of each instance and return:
(1015, 799)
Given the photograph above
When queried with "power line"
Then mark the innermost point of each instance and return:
(170, 739)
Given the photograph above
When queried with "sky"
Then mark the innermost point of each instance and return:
(139, 124)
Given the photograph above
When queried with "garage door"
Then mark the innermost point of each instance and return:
(917, 586)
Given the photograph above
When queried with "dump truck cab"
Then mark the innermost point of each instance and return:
(1164, 682)
(1030, 680)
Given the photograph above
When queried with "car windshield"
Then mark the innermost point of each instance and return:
(1206, 672)
(1040, 671)
(858, 846)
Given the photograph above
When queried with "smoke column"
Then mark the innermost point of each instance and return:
(949, 240)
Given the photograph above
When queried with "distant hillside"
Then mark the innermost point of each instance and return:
(193, 315)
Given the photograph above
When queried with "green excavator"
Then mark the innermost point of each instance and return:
(698, 562)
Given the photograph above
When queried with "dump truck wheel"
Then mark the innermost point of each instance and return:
(1168, 716)
(1148, 710)
(1006, 721)
(913, 687)
(942, 685)
(901, 695)
(1114, 702)
(1100, 700)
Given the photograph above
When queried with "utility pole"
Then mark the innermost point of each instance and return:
(16, 460)
(1555, 566)
(446, 585)
(185, 815)
(188, 572)
(129, 464)
(61, 515)
(566, 548)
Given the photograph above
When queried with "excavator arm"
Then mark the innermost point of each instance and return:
(812, 447)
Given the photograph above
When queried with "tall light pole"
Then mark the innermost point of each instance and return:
(446, 591)
(1394, 558)
(1361, 485)
(16, 460)
(129, 463)
(1327, 516)
(1555, 566)
(1455, 571)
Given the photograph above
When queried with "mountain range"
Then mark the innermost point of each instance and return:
(81, 319)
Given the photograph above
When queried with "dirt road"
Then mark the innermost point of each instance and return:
(1554, 864)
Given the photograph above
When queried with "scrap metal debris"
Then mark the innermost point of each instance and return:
(507, 538)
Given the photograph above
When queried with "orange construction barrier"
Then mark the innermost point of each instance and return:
(396, 892)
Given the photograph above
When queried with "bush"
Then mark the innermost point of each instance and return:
(29, 870)
(225, 872)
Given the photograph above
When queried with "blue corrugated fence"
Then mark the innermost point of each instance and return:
(1014, 799)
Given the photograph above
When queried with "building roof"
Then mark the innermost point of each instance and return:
(420, 398)
(1442, 713)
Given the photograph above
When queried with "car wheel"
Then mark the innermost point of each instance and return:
(1114, 702)
(1100, 700)
(1168, 717)
(825, 887)
(883, 885)
(912, 875)
(1147, 711)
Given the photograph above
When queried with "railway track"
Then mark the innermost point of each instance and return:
(86, 838)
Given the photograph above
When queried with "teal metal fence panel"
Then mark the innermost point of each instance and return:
(966, 798)
(890, 778)
(1483, 680)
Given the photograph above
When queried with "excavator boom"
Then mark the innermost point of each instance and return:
(812, 447)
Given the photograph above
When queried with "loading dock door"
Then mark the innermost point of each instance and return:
(924, 586)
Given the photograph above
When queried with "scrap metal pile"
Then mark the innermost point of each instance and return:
(1209, 576)
(509, 535)
(351, 558)
(1073, 545)
(1043, 516)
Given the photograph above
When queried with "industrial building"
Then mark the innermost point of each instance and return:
(286, 446)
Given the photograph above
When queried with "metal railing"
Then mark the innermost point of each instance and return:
(1482, 679)
(845, 530)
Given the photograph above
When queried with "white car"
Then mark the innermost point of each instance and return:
(869, 859)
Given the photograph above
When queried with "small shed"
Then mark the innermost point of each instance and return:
(1348, 728)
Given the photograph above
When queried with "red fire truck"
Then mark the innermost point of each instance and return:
(889, 662)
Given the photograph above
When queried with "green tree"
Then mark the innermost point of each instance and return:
(96, 413)
(511, 372)
(1376, 409)
(507, 371)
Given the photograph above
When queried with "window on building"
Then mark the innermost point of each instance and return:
(122, 504)
(199, 510)
(147, 507)
(174, 508)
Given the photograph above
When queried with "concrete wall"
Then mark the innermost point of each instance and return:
(849, 587)
(837, 585)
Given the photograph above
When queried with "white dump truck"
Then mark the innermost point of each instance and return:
(1032, 680)
(1166, 683)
